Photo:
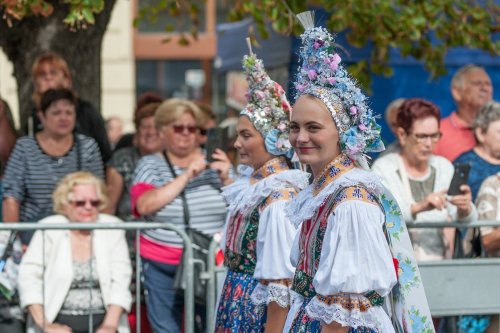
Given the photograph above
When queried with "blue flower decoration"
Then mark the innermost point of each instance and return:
(277, 143)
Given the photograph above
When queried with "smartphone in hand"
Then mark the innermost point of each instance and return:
(217, 138)
(460, 177)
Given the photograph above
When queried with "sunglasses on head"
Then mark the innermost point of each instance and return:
(83, 203)
(179, 129)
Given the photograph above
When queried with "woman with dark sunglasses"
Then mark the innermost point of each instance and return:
(165, 183)
(84, 273)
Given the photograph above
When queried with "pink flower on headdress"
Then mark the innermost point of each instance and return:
(362, 127)
(334, 66)
(282, 127)
(317, 44)
(331, 80)
(336, 59)
(312, 74)
(260, 94)
(301, 87)
(353, 110)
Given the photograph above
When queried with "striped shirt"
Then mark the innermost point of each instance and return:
(31, 175)
(207, 209)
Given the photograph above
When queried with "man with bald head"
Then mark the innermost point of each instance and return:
(471, 88)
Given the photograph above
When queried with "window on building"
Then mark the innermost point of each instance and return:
(167, 77)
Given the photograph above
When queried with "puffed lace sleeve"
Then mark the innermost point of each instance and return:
(295, 251)
(273, 270)
(356, 269)
(222, 244)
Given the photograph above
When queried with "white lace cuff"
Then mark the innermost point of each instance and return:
(349, 310)
(272, 292)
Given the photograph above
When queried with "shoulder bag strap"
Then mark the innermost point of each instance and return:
(78, 152)
(182, 194)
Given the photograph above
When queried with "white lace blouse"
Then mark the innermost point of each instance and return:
(275, 235)
(355, 256)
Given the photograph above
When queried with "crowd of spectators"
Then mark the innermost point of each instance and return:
(63, 170)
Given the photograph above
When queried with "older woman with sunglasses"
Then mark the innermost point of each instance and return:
(419, 179)
(165, 183)
(83, 273)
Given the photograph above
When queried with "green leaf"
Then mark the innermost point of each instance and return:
(88, 15)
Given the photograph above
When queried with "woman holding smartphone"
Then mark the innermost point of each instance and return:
(258, 236)
(420, 180)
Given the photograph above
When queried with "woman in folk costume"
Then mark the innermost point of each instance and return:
(258, 236)
(355, 269)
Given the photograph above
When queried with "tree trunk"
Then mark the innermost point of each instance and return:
(28, 38)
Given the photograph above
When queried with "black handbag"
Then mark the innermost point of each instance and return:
(201, 244)
(469, 245)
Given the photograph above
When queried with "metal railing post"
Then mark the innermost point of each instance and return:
(188, 270)
(138, 268)
(210, 305)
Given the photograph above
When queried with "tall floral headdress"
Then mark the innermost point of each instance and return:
(322, 75)
(267, 107)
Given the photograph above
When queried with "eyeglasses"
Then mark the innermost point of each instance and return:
(434, 137)
(180, 129)
(83, 203)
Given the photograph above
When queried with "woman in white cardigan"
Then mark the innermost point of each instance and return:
(419, 180)
(82, 273)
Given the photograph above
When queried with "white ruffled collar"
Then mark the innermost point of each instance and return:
(243, 194)
(307, 202)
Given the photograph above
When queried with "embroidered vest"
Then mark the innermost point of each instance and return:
(311, 242)
(241, 234)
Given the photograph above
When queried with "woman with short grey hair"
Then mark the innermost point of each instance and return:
(484, 158)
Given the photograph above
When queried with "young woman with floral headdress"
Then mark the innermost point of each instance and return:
(258, 236)
(353, 248)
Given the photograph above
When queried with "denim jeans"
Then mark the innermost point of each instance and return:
(164, 306)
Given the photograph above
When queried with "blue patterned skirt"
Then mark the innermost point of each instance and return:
(302, 323)
(236, 313)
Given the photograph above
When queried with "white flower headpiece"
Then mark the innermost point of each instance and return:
(267, 107)
(322, 75)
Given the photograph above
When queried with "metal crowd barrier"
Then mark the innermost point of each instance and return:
(137, 226)
(456, 287)
(212, 274)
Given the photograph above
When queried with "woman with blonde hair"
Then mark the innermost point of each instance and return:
(177, 186)
(67, 276)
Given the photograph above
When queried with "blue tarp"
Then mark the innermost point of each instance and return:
(409, 79)
(231, 47)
